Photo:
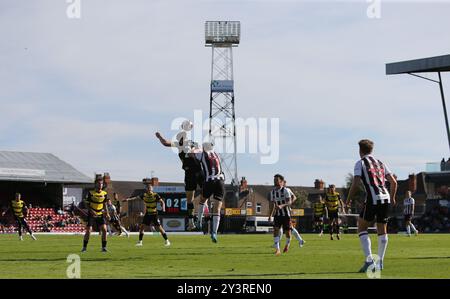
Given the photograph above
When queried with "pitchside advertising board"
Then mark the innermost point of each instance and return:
(176, 207)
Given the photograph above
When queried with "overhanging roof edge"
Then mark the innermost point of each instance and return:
(423, 65)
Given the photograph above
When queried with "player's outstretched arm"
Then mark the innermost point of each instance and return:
(130, 198)
(6, 211)
(162, 140)
(272, 211)
(353, 189)
(392, 187)
(341, 202)
(163, 205)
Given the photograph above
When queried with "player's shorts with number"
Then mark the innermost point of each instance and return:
(378, 212)
(151, 219)
(408, 217)
(98, 220)
(282, 221)
(333, 215)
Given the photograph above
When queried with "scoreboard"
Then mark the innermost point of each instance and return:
(174, 198)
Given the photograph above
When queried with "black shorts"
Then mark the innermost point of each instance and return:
(99, 220)
(408, 217)
(214, 188)
(21, 221)
(282, 221)
(192, 179)
(378, 212)
(151, 219)
(318, 218)
(333, 215)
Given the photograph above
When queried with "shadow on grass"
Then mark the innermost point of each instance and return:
(101, 259)
(244, 275)
(428, 258)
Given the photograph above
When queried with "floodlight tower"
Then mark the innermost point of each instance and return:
(222, 36)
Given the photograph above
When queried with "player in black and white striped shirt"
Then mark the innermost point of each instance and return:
(294, 231)
(408, 212)
(372, 173)
(281, 200)
(213, 185)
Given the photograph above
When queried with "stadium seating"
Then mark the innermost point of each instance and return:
(35, 215)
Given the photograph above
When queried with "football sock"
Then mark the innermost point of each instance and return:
(276, 240)
(296, 234)
(190, 207)
(366, 245)
(200, 211)
(382, 245)
(288, 241)
(216, 222)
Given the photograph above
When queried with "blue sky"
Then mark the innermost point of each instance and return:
(94, 90)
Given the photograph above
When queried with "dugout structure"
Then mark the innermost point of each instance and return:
(437, 64)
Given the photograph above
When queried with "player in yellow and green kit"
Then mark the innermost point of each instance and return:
(319, 212)
(17, 206)
(151, 200)
(96, 204)
(333, 201)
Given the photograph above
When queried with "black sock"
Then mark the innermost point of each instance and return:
(85, 242)
(104, 244)
(164, 236)
(337, 228)
(190, 207)
(141, 235)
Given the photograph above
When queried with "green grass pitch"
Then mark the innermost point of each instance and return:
(235, 256)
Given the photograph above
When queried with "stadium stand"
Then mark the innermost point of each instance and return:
(47, 220)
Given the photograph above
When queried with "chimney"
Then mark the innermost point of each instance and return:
(412, 182)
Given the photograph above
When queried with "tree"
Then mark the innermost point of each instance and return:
(302, 200)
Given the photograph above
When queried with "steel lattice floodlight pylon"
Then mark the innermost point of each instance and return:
(222, 36)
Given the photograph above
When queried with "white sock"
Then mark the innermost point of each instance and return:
(200, 212)
(216, 222)
(280, 233)
(296, 234)
(408, 229)
(288, 241)
(382, 245)
(276, 240)
(124, 230)
(366, 245)
(413, 227)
